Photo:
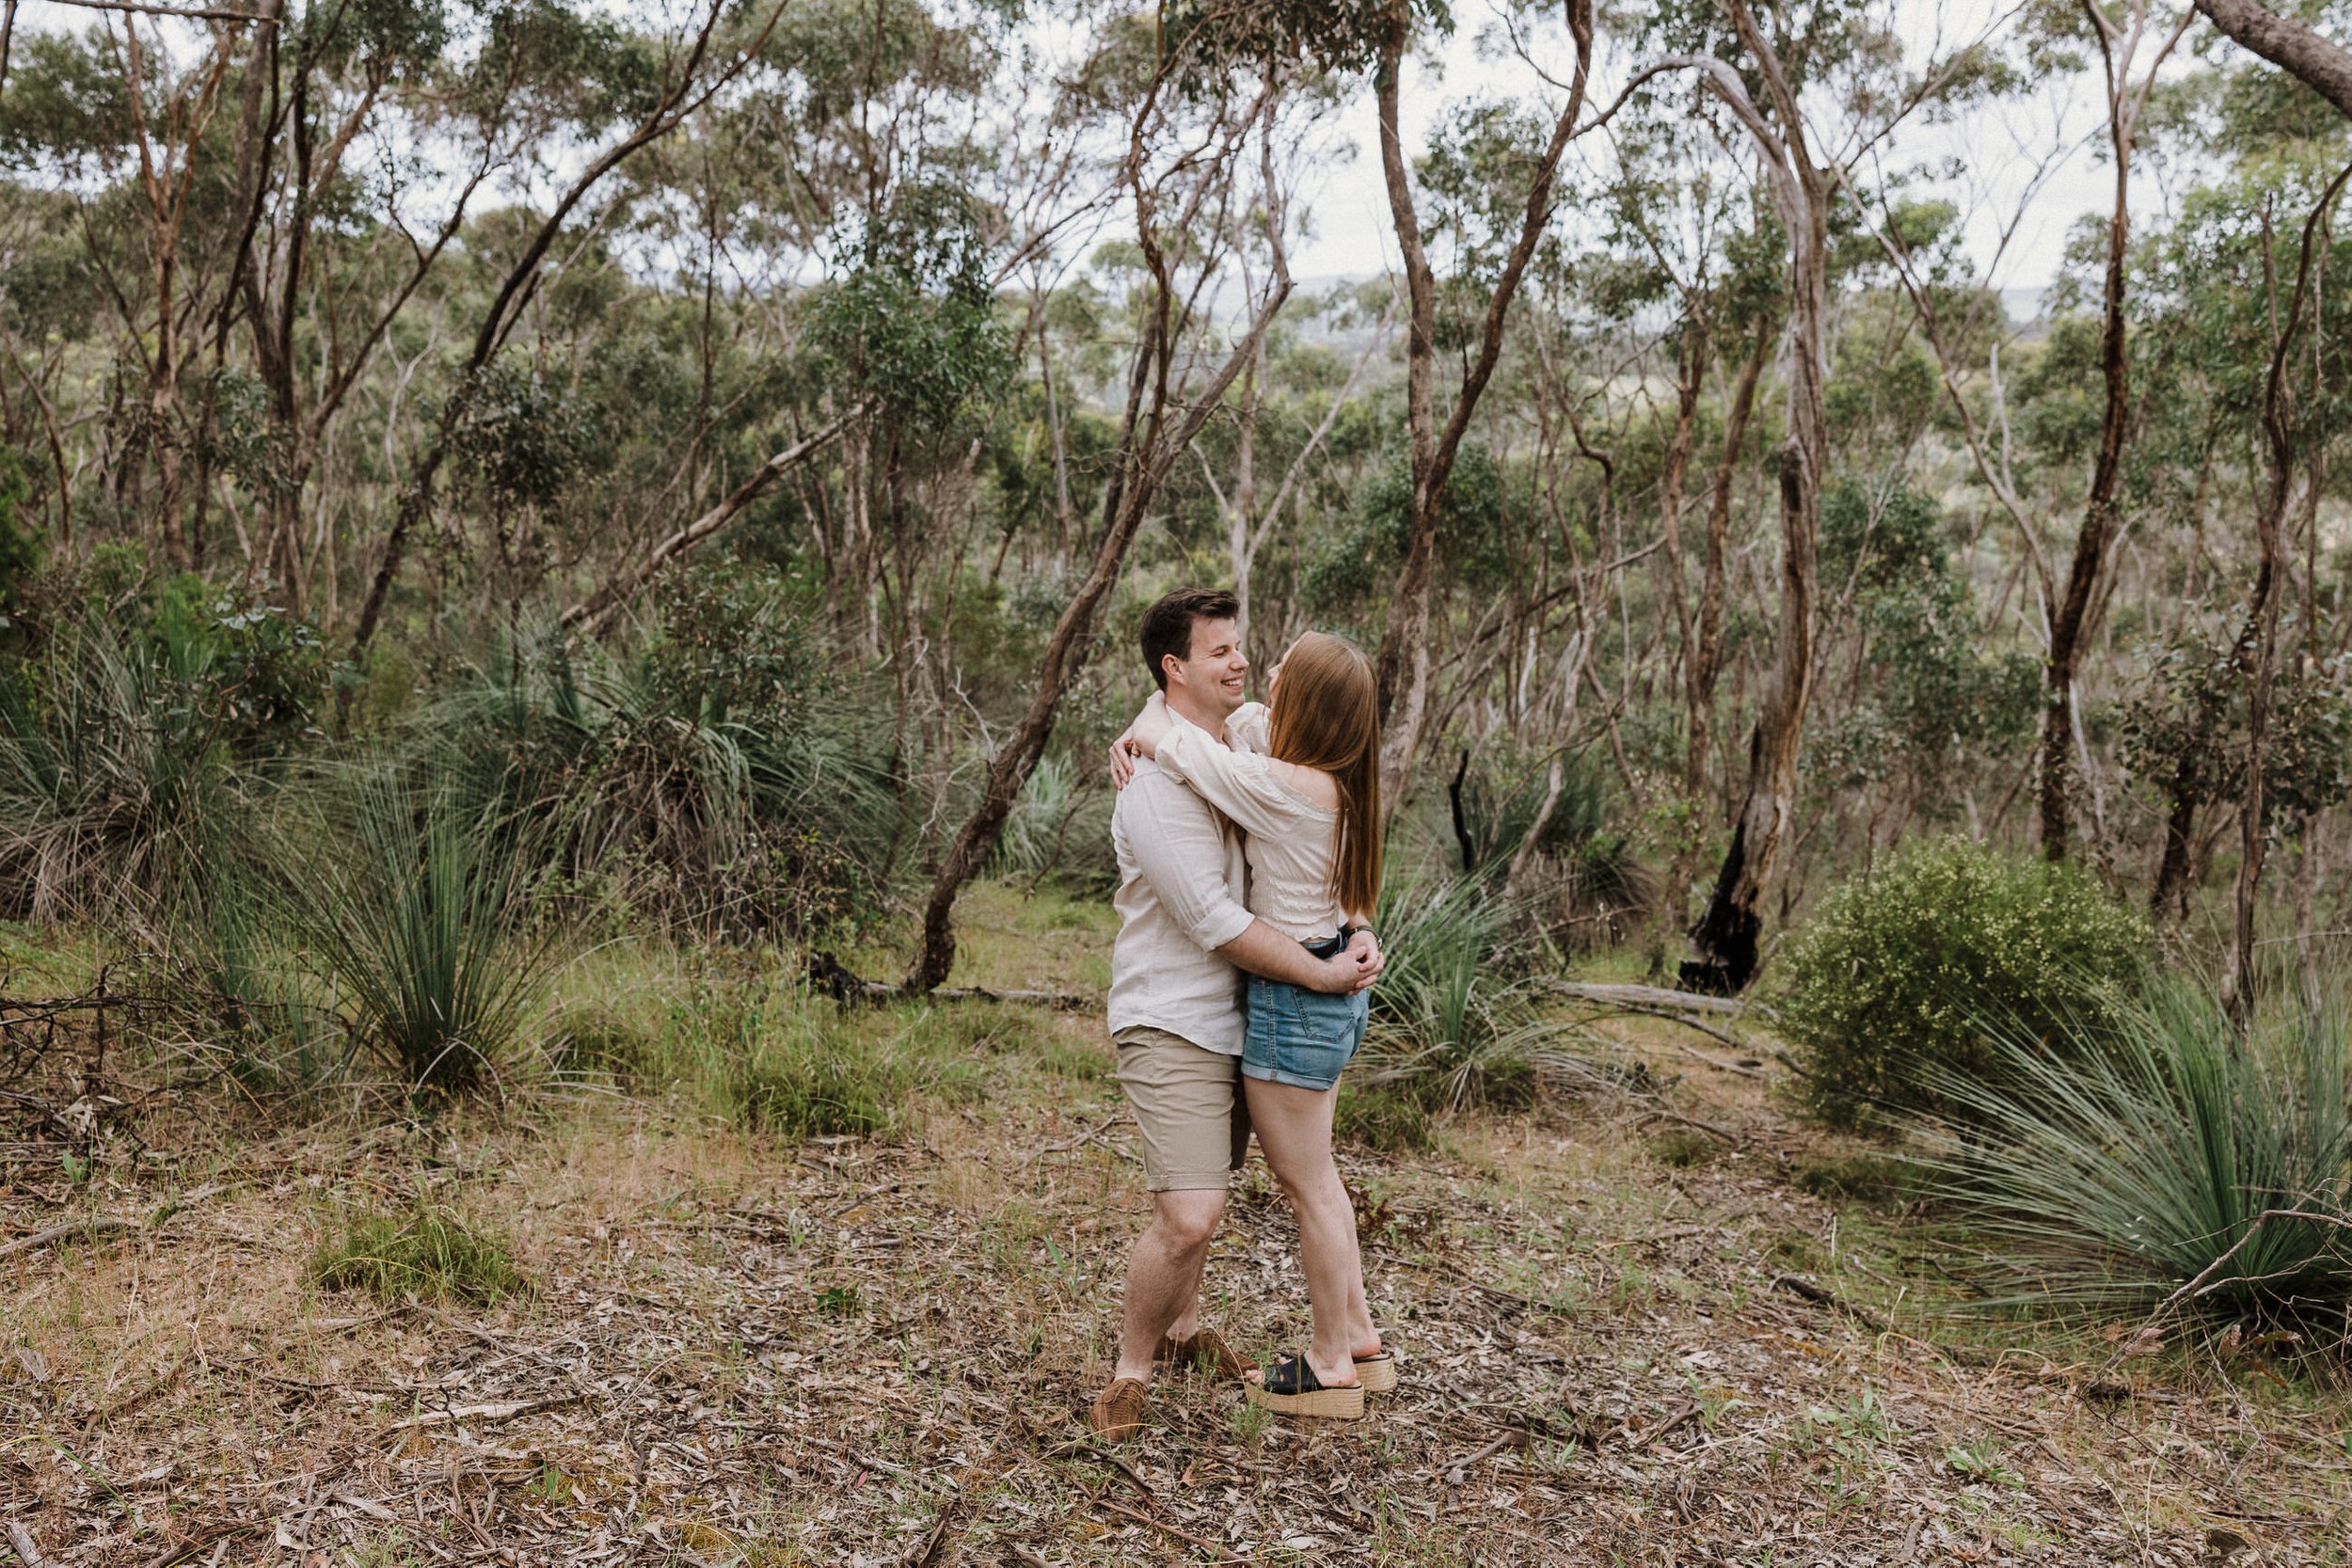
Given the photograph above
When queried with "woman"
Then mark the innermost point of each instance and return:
(1306, 794)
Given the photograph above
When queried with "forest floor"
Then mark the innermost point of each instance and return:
(1634, 1328)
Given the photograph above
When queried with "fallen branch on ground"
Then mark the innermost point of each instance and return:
(1653, 999)
(844, 985)
(505, 1410)
(1797, 1284)
(103, 1225)
(22, 1539)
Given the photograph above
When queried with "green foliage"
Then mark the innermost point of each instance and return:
(2184, 731)
(21, 547)
(1392, 1117)
(120, 796)
(413, 909)
(1458, 1016)
(2128, 1161)
(66, 100)
(1862, 1178)
(781, 1062)
(1339, 36)
(1586, 882)
(705, 773)
(1033, 834)
(1352, 571)
(429, 1253)
(1887, 990)
(516, 436)
(1936, 697)
(914, 322)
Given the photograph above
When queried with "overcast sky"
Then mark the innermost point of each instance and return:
(1998, 152)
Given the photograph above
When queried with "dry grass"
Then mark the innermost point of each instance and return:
(744, 1349)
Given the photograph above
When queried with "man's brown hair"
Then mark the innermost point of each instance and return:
(1167, 625)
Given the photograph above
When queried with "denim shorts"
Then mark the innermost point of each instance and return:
(1300, 1037)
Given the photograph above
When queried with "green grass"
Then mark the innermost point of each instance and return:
(429, 1252)
(1386, 1116)
(1874, 1179)
(1460, 1016)
(777, 1060)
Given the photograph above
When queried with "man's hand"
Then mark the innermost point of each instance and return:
(1347, 973)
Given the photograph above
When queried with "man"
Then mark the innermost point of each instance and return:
(1176, 1003)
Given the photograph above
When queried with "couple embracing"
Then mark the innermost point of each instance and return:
(1248, 842)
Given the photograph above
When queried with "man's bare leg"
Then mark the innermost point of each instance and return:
(1164, 1276)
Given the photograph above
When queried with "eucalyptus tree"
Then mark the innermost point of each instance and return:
(1782, 54)
(1213, 114)
(2290, 43)
(121, 123)
(1686, 233)
(1498, 261)
(2136, 38)
(666, 84)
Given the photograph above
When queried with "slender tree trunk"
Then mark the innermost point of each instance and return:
(1707, 664)
(1404, 659)
(2168, 900)
(1149, 445)
(1727, 936)
(2258, 645)
(2071, 616)
(1691, 377)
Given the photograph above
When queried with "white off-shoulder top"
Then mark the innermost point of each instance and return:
(1289, 839)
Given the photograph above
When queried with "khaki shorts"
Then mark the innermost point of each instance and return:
(1191, 1118)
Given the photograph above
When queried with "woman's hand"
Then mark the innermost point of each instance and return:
(1132, 742)
(1150, 727)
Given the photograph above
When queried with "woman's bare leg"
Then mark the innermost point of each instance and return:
(1293, 1127)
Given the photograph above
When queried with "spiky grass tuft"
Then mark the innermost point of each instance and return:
(2114, 1175)
(414, 911)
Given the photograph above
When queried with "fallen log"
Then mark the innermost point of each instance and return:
(844, 985)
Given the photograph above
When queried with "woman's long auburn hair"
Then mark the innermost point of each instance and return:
(1326, 716)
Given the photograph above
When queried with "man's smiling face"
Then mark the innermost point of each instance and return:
(1209, 679)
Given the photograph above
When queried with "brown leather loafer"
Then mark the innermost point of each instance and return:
(1205, 1349)
(1118, 1410)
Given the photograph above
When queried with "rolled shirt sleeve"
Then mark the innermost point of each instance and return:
(1178, 849)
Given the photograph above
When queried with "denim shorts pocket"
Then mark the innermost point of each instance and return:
(1327, 1021)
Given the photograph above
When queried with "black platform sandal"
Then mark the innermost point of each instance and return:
(1291, 1388)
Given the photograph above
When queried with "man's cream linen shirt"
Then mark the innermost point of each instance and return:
(1181, 881)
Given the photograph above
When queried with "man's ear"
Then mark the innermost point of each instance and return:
(1171, 671)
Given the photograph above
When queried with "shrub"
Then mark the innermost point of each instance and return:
(117, 794)
(599, 1041)
(2118, 1171)
(700, 773)
(1384, 1117)
(429, 1252)
(1884, 992)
